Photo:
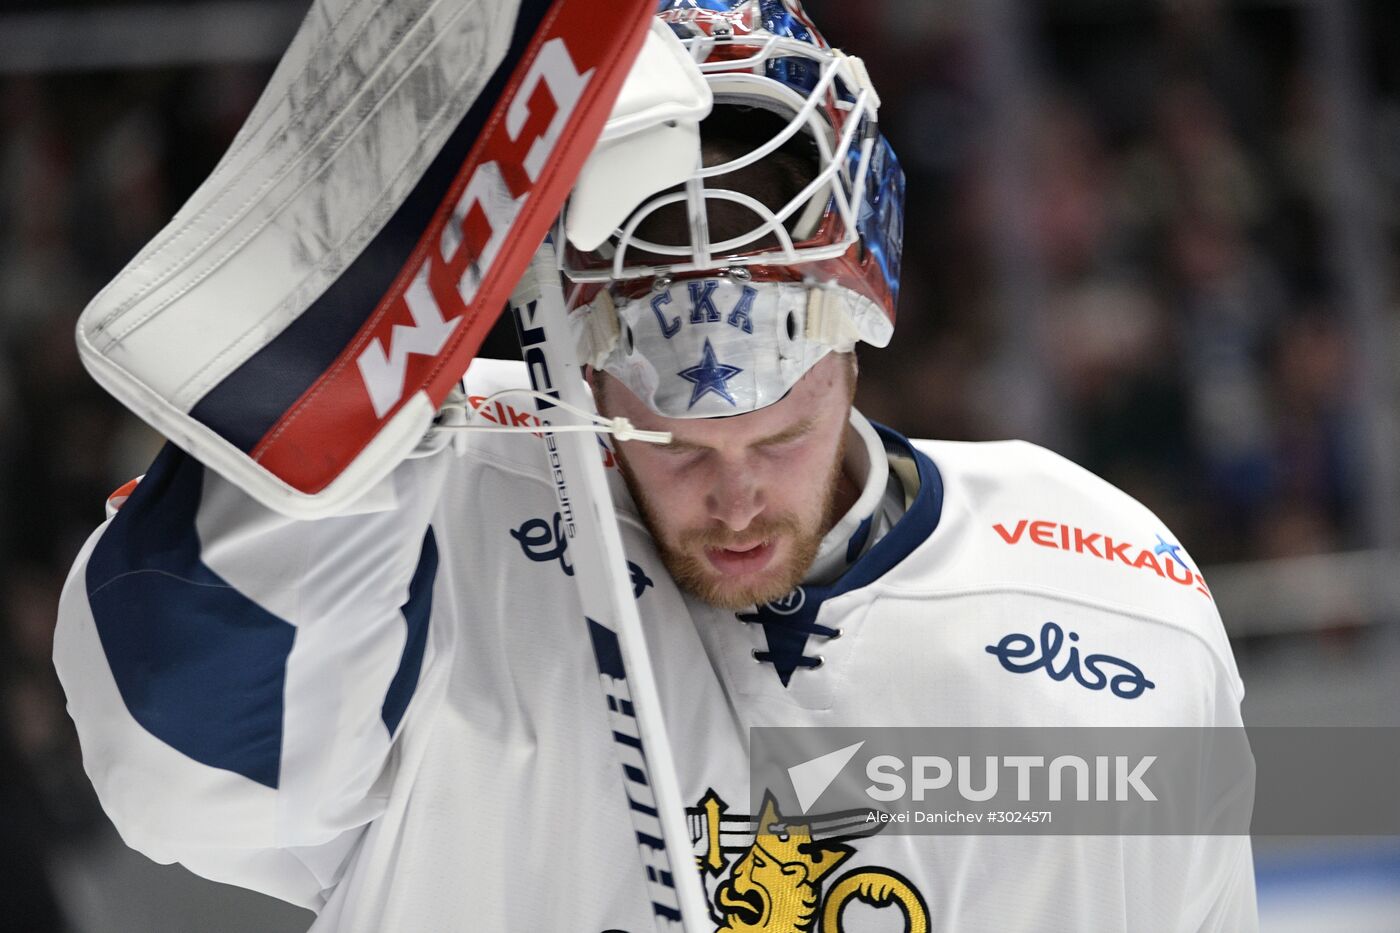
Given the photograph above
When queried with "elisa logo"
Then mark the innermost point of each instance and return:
(546, 541)
(1165, 559)
(1021, 654)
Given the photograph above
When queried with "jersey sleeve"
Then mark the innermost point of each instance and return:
(1219, 894)
(238, 678)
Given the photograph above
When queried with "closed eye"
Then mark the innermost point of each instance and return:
(790, 436)
(680, 448)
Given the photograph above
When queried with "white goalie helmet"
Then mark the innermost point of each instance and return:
(741, 216)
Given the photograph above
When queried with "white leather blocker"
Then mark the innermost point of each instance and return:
(651, 141)
(298, 322)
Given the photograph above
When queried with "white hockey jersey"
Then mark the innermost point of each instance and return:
(393, 716)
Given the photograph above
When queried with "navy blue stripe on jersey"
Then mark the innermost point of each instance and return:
(415, 615)
(912, 529)
(199, 665)
(856, 543)
(249, 401)
(788, 623)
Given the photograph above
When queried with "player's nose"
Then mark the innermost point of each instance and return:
(734, 499)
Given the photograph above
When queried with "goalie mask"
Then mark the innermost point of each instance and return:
(741, 216)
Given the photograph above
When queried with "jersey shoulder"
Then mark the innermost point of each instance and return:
(498, 393)
(1018, 474)
(1019, 516)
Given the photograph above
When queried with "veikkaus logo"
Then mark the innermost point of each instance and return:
(1164, 559)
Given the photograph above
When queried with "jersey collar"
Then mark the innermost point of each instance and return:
(868, 466)
(790, 621)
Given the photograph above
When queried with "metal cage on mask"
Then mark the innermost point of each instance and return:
(824, 264)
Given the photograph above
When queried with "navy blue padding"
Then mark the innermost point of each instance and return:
(249, 401)
(787, 630)
(415, 614)
(199, 665)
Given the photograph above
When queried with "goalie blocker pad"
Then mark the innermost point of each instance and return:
(299, 321)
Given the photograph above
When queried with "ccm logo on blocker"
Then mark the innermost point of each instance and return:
(485, 201)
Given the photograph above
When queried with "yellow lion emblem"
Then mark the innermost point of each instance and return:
(775, 885)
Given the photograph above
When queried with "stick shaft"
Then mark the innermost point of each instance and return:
(609, 607)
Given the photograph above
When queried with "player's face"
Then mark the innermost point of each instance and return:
(739, 505)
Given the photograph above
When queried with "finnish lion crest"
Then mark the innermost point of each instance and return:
(770, 875)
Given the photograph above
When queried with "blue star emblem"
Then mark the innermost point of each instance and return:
(710, 375)
(1171, 550)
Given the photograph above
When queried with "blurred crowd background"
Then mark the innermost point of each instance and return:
(1158, 236)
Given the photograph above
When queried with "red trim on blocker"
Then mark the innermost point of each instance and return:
(429, 325)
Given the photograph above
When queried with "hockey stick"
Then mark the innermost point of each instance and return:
(609, 608)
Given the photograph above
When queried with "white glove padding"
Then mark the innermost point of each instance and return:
(651, 140)
(298, 322)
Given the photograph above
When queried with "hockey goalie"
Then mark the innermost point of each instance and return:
(386, 707)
